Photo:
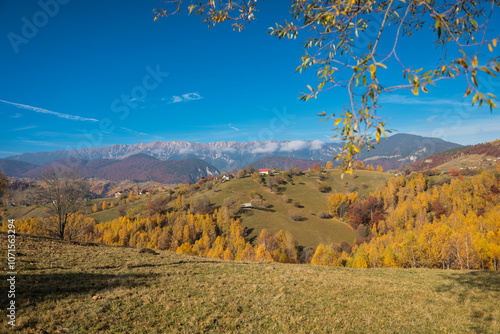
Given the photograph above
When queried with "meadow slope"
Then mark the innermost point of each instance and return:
(68, 288)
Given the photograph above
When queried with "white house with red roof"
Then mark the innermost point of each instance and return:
(264, 171)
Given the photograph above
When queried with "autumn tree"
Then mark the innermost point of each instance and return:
(200, 205)
(326, 256)
(95, 208)
(104, 205)
(158, 205)
(338, 204)
(349, 44)
(232, 204)
(359, 165)
(62, 191)
(329, 165)
(380, 169)
(296, 171)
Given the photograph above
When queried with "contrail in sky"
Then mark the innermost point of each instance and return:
(45, 111)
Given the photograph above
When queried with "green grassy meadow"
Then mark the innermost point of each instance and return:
(312, 230)
(67, 288)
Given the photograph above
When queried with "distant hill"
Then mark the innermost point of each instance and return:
(15, 167)
(398, 150)
(139, 167)
(37, 171)
(142, 167)
(479, 151)
(402, 149)
(285, 163)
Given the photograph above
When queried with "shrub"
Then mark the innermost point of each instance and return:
(294, 215)
(296, 171)
(322, 177)
(324, 187)
(297, 204)
(285, 199)
(259, 204)
(279, 180)
(324, 215)
(280, 190)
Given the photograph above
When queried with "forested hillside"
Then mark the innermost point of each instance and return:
(450, 222)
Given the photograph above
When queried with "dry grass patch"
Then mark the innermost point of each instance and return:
(63, 287)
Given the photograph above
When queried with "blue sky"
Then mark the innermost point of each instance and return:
(98, 73)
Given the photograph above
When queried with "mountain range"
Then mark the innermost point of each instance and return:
(398, 150)
(139, 167)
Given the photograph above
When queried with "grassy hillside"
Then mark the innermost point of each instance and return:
(312, 230)
(67, 288)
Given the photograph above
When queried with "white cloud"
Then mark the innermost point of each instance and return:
(134, 132)
(25, 128)
(176, 99)
(333, 139)
(267, 148)
(232, 127)
(295, 145)
(184, 98)
(431, 118)
(473, 127)
(16, 115)
(191, 96)
(45, 111)
(41, 143)
(401, 99)
(317, 145)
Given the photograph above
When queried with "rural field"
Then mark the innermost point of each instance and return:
(70, 288)
(303, 166)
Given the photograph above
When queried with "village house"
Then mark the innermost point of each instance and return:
(264, 171)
